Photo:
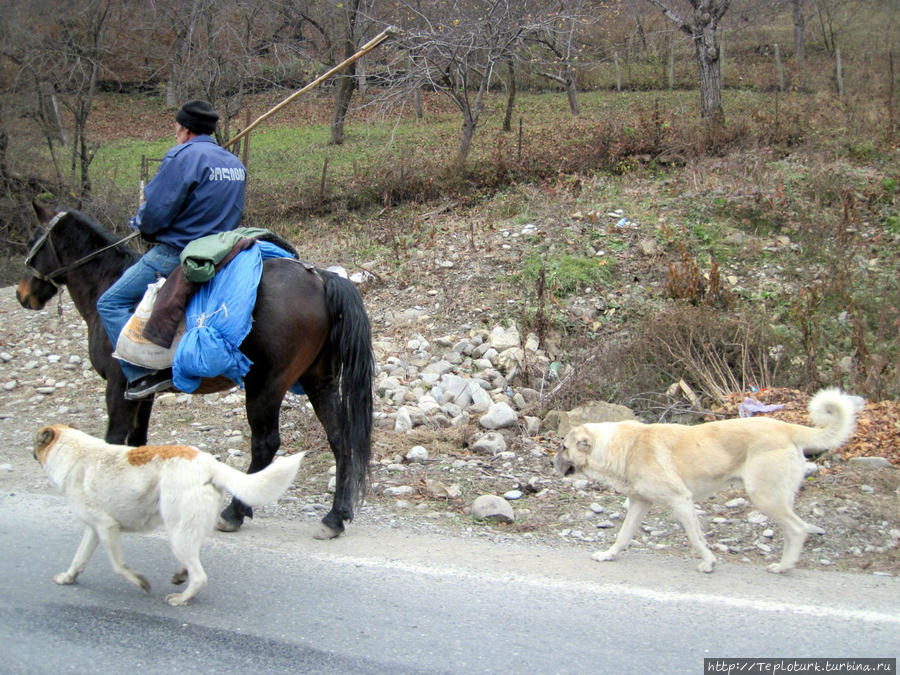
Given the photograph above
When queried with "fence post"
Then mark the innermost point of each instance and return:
(671, 68)
(322, 183)
(618, 71)
(838, 72)
(779, 68)
(245, 151)
(890, 95)
(520, 140)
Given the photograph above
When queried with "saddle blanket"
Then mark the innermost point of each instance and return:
(217, 318)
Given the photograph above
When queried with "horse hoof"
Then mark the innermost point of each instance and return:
(223, 525)
(325, 532)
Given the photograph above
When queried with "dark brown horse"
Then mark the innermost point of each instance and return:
(308, 325)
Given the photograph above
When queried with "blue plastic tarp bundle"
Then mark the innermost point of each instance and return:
(218, 318)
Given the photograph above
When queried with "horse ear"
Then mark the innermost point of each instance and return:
(44, 214)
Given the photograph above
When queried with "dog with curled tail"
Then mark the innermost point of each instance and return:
(676, 465)
(116, 488)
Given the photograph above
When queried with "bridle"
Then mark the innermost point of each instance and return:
(45, 238)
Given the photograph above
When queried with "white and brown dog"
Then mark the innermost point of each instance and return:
(116, 488)
(675, 465)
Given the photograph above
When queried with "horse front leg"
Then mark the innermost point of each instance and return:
(128, 422)
(264, 443)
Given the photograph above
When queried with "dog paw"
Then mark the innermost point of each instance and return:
(65, 579)
(177, 599)
(778, 568)
(706, 566)
(603, 556)
(141, 580)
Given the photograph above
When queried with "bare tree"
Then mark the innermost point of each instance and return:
(346, 81)
(703, 30)
(510, 94)
(329, 32)
(564, 41)
(85, 49)
(66, 67)
(454, 48)
(215, 51)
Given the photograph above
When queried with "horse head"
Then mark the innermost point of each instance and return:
(71, 249)
(38, 285)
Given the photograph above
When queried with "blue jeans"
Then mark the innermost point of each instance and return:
(119, 301)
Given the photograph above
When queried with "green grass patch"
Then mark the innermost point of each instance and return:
(565, 274)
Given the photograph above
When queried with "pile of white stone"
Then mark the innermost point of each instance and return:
(471, 381)
(449, 382)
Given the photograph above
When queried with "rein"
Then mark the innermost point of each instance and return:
(63, 269)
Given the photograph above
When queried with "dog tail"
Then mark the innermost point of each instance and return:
(262, 487)
(834, 415)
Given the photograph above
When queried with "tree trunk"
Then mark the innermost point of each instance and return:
(4, 167)
(180, 66)
(799, 32)
(707, 50)
(571, 92)
(510, 94)
(465, 141)
(362, 81)
(703, 28)
(347, 81)
(471, 115)
(417, 103)
(85, 161)
(342, 95)
(710, 84)
(49, 113)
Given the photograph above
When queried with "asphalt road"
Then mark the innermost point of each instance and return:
(382, 601)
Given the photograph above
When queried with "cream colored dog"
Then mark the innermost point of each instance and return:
(115, 488)
(676, 465)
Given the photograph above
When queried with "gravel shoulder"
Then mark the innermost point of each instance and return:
(45, 378)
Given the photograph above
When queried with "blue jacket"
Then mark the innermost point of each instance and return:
(198, 190)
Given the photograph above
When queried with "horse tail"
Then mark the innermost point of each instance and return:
(351, 340)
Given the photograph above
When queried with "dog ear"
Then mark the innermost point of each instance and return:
(46, 437)
(584, 445)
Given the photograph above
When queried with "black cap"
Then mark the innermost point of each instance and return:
(198, 116)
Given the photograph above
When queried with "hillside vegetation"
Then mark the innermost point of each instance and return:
(766, 256)
(640, 245)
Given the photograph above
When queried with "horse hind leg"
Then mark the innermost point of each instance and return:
(326, 403)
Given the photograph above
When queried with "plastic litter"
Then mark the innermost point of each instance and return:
(750, 406)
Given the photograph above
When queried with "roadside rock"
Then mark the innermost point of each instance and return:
(491, 507)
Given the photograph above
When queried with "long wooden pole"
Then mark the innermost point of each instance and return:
(366, 48)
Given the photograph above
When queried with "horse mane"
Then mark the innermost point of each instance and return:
(273, 238)
(95, 228)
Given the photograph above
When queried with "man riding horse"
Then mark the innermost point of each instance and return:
(198, 190)
(309, 326)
